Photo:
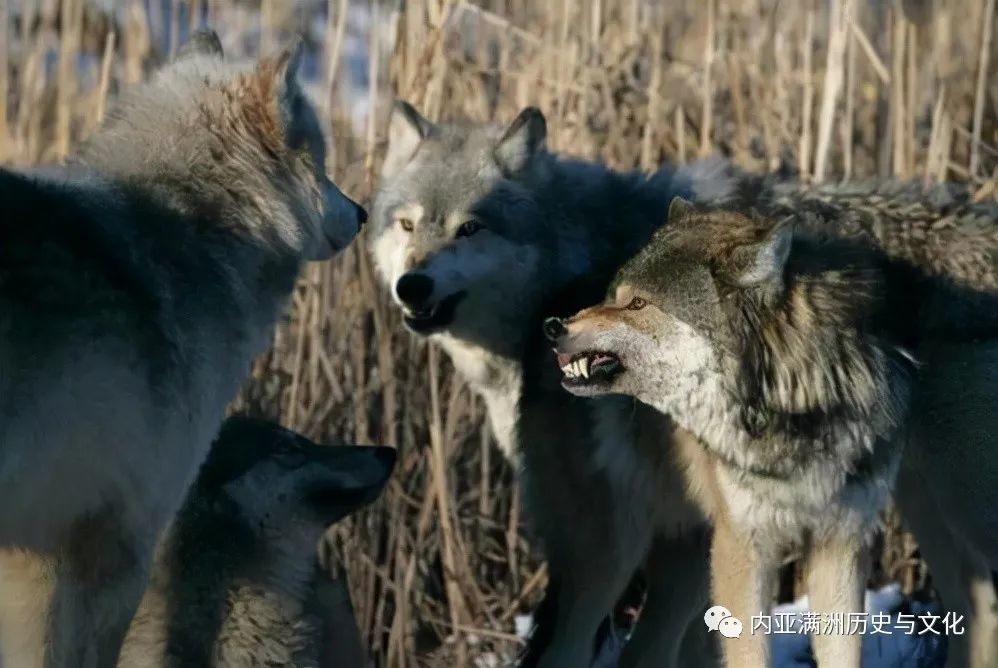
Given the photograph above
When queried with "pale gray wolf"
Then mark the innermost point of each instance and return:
(136, 286)
(234, 581)
(805, 337)
(478, 231)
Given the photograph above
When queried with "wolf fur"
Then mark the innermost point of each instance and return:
(478, 231)
(235, 578)
(136, 285)
(948, 476)
(782, 329)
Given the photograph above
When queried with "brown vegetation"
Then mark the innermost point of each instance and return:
(836, 89)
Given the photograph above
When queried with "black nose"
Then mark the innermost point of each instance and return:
(414, 289)
(554, 329)
(361, 214)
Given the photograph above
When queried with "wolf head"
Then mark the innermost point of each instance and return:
(287, 489)
(232, 578)
(715, 318)
(663, 332)
(457, 228)
(232, 141)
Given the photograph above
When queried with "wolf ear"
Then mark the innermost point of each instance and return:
(285, 73)
(679, 209)
(523, 139)
(201, 43)
(298, 120)
(406, 129)
(763, 260)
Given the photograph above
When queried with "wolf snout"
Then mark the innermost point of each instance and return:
(554, 329)
(361, 214)
(414, 289)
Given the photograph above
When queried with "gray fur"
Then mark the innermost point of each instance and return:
(136, 285)
(235, 575)
(795, 364)
(547, 230)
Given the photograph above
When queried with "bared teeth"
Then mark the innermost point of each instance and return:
(583, 366)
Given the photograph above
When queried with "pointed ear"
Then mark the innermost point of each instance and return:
(298, 119)
(679, 209)
(763, 260)
(406, 129)
(523, 139)
(285, 73)
(201, 43)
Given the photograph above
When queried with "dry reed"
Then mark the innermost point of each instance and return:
(440, 566)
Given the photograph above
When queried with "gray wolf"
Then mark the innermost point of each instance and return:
(478, 231)
(136, 285)
(235, 577)
(782, 328)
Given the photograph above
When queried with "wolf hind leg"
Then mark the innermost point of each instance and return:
(983, 627)
(960, 573)
(678, 589)
(27, 580)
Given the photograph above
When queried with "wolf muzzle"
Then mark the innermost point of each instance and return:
(554, 329)
(414, 289)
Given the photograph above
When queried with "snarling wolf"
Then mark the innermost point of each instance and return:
(478, 231)
(136, 285)
(234, 579)
(805, 337)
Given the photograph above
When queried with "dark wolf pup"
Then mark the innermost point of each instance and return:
(135, 288)
(235, 579)
(782, 330)
(479, 231)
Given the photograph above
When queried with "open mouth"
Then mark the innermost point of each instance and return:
(592, 367)
(435, 318)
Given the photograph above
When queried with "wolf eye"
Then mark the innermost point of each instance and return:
(405, 224)
(637, 304)
(468, 228)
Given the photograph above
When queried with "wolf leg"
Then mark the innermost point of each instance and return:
(99, 578)
(960, 573)
(594, 542)
(27, 580)
(589, 586)
(948, 488)
(742, 581)
(982, 631)
(836, 579)
(678, 589)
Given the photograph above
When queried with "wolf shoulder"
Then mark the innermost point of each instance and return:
(83, 256)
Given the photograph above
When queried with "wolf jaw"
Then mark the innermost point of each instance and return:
(435, 318)
(589, 368)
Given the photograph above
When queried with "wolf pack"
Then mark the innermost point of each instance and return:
(698, 374)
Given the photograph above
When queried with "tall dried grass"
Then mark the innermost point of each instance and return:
(835, 89)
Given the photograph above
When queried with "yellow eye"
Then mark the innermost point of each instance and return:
(637, 304)
(405, 224)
